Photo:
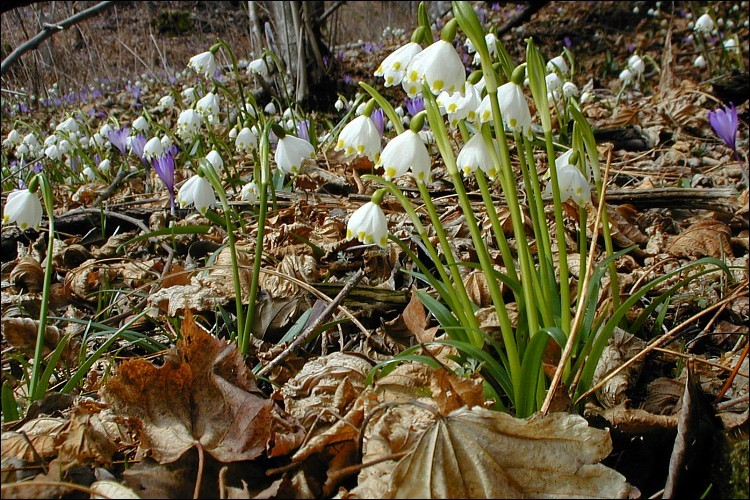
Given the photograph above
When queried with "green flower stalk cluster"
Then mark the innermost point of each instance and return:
(489, 114)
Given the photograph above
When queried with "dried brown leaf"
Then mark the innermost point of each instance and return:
(35, 439)
(704, 238)
(466, 455)
(206, 396)
(111, 489)
(620, 347)
(21, 333)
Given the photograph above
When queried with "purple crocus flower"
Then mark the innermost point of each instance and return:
(414, 106)
(137, 143)
(348, 79)
(303, 130)
(724, 122)
(164, 167)
(378, 118)
(368, 47)
(119, 139)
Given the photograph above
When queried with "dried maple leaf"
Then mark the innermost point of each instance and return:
(466, 455)
(207, 396)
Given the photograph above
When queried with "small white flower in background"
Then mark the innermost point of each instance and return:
(246, 140)
(360, 136)
(32, 141)
(258, 67)
(439, 65)
(339, 104)
(22, 149)
(153, 148)
(514, 108)
(704, 24)
(89, 173)
(64, 146)
(250, 192)
(24, 208)
(197, 191)
(270, 108)
(70, 126)
(393, 67)
(368, 225)
(291, 151)
(188, 124)
(140, 124)
(428, 137)
(491, 40)
(484, 110)
(13, 140)
(105, 130)
(233, 133)
(553, 82)
(360, 109)
(104, 166)
(402, 152)
(204, 63)
(99, 141)
(166, 142)
(569, 89)
(50, 140)
(166, 102)
(557, 63)
(208, 105)
(52, 152)
(475, 155)
(731, 44)
(189, 95)
(287, 114)
(573, 185)
(626, 76)
(636, 64)
(290, 125)
(700, 62)
(215, 159)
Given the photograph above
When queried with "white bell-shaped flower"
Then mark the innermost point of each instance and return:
(24, 208)
(704, 24)
(403, 152)
(140, 124)
(89, 173)
(636, 64)
(153, 148)
(514, 108)
(258, 67)
(245, 141)
(215, 159)
(104, 166)
(166, 102)
(557, 63)
(291, 151)
(204, 63)
(250, 192)
(69, 126)
(393, 67)
(460, 105)
(569, 89)
(700, 62)
(360, 137)
(270, 108)
(197, 191)
(368, 225)
(475, 155)
(189, 95)
(439, 65)
(626, 76)
(188, 124)
(553, 82)
(52, 152)
(13, 140)
(573, 185)
(208, 105)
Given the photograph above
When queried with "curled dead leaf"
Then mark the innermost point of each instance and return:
(704, 238)
(28, 275)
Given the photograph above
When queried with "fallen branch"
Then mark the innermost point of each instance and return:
(50, 29)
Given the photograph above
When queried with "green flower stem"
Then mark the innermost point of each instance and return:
(497, 227)
(213, 178)
(509, 189)
(265, 180)
(545, 277)
(441, 137)
(464, 302)
(453, 302)
(385, 106)
(236, 69)
(37, 386)
(560, 234)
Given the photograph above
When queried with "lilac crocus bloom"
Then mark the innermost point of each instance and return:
(378, 118)
(724, 122)
(164, 167)
(119, 139)
(303, 130)
(414, 106)
(137, 143)
(348, 79)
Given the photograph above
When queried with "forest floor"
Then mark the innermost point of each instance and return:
(145, 395)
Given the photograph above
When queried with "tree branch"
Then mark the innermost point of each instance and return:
(50, 29)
